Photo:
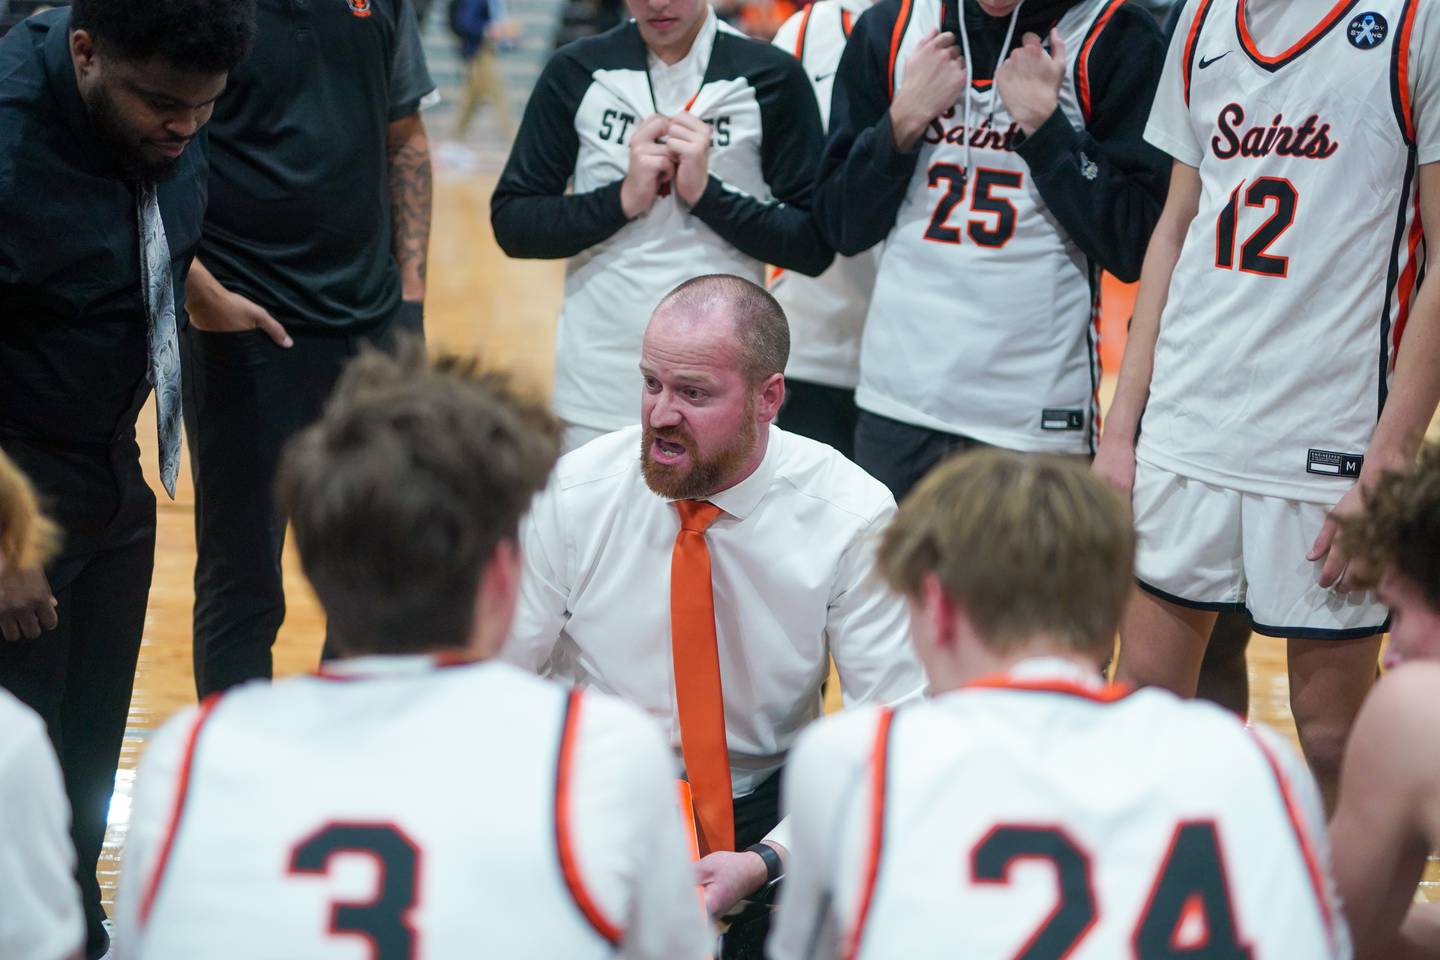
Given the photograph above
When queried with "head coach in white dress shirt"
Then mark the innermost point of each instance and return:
(770, 575)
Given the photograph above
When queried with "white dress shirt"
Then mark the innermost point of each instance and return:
(793, 571)
(40, 916)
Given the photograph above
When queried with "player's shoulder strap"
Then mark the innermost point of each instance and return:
(1400, 79)
(828, 9)
(1192, 39)
(879, 777)
(564, 843)
(177, 807)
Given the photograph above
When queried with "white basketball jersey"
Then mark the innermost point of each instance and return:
(827, 312)
(1042, 818)
(1298, 273)
(427, 815)
(985, 317)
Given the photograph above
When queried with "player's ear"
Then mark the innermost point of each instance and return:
(942, 613)
(495, 599)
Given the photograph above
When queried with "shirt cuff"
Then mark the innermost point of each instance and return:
(887, 158)
(1050, 144)
(780, 834)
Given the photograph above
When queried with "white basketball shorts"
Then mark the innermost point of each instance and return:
(1215, 548)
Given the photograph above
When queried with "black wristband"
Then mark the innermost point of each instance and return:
(774, 869)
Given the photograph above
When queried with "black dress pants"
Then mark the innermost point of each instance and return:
(820, 412)
(244, 397)
(78, 677)
(755, 816)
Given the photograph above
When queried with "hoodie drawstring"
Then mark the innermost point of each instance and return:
(969, 71)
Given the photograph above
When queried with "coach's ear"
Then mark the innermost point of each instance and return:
(771, 397)
(495, 599)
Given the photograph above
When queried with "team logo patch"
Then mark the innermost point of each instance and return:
(1367, 30)
(361, 8)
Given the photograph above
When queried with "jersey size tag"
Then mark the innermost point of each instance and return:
(1328, 463)
(1057, 418)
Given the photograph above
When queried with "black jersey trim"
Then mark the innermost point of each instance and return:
(1092, 359)
(1213, 606)
(1400, 72)
(1392, 278)
(1319, 633)
(1316, 34)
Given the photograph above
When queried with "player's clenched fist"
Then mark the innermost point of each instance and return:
(1029, 80)
(935, 77)
(651, 166)
(689, 143)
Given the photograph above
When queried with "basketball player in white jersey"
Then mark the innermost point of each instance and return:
(827, 312)
(1027, 810)
(1388, 819)
(40, 916)
(1001, 162)
(413, 799)
(1266, 351)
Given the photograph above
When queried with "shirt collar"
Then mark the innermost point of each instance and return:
(390, 665)
(741, 500)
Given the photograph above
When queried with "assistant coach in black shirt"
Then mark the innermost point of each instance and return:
(102, 190)
(314, 244)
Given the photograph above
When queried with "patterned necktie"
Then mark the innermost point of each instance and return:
(156, 286)
(699, 699)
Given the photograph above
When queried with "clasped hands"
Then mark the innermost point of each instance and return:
(665, 152)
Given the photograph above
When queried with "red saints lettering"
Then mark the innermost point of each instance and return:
(985, 137)
(1311, 140)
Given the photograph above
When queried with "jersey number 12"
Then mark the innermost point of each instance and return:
(1254, 257)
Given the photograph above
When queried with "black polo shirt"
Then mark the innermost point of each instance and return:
(299, 217)
(73, 360)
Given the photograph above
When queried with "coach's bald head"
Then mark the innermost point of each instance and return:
(713, 364)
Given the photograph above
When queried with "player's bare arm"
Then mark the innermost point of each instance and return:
(651, 166)
(1029, 80)
(1383, 826)
(411, 192)
(214, 309)
(1115, 458)
(936, 78)
(1409, 405)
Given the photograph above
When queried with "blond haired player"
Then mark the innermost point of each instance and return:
(414, 799)
(40, 916)
(1282, 349)
(1388, 819)
(1026, 810)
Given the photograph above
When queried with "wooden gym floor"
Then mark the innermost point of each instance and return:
(478, 301)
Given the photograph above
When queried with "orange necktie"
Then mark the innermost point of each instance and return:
(698, 696)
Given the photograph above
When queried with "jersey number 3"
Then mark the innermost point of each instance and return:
(1254, 257)
(384, 920)
(983, 201)
(1188, 915)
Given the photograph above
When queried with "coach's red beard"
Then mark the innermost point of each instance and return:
(693, 477)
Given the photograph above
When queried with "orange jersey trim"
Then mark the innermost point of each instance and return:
(1402, 70)
(1307, 850)
(1407, 281)
(804, 28)
(563, 845)
(1190, 42)
(182, 792)
(1106, 694)
(896, 35)
(879, 761)
(1083, 68)
(1316, 32)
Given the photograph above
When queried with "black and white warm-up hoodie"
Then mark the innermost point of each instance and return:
(766, 145)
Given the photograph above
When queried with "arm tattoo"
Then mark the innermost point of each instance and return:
(411, 188)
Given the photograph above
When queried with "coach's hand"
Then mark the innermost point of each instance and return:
(935, 78)
(1336, 568)
(651, 166)
(689, 143)
(1115, 462)
(219, 310)
(27, 607)
(727, 878)
(1029, 80)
